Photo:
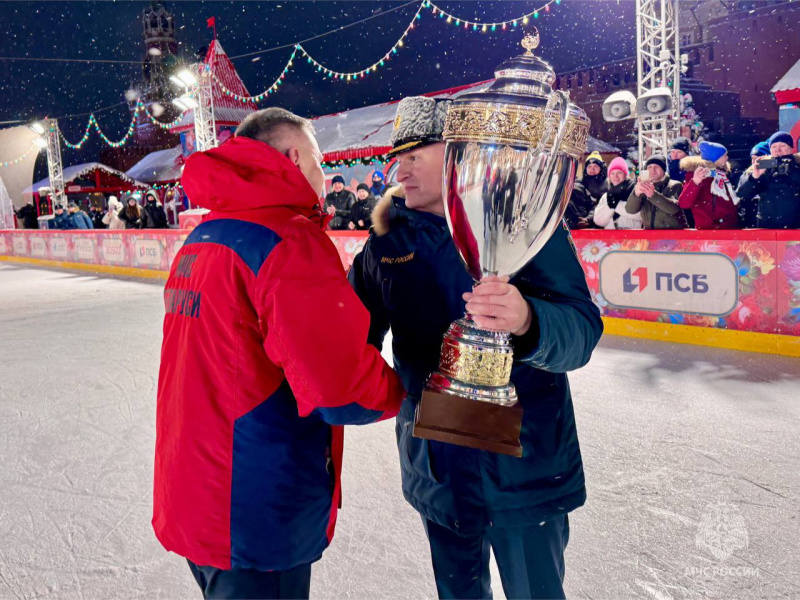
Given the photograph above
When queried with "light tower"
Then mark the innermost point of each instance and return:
(659, 65)
(49, 139)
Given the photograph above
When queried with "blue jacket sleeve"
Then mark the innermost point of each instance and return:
(364, 279)
(566, 324)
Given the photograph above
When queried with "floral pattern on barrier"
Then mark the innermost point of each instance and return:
(755, 262)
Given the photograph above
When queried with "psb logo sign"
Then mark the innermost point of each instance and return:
(148, 252)
(113, 251)
(58, 247)
(84, 248)
(20, 246)
(38, 247)
(682, 282)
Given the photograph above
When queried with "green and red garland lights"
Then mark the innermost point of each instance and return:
(510, 24)
(92, 123)
(354, 75)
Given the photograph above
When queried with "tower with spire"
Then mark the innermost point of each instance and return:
(160, 60)
(161, 47)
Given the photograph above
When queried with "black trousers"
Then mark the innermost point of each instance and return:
(530, 560)
(252, 584)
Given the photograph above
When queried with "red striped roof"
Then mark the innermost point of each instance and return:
(227, 110)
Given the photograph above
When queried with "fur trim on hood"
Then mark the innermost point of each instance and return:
(380, 214)
(690, 164)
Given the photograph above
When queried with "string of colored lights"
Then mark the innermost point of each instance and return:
(378, 158)
(352, 75)
(92, 123)
(271, 89)
(487, 26)
(19, 159)
(331, 73)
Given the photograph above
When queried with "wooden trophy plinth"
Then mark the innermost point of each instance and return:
(471, 423)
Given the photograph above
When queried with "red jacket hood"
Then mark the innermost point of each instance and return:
(245, 174)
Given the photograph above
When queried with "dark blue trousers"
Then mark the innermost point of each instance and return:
(251, 584)
(530, 560)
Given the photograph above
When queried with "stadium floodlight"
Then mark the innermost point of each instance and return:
(37, 127)
(179, 103)
(188, 101)
(187, 77)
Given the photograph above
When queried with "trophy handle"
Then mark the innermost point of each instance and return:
(524, 213)
(560, 131)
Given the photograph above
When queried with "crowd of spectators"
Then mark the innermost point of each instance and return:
(691, 187)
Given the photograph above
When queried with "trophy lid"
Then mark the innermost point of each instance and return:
(514, 108)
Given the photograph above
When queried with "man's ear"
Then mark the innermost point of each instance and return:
(293, 154)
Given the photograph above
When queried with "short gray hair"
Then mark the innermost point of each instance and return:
(268, 125)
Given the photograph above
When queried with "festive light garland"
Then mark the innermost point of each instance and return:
(370, 160)
(92, 122)
(330, 73)
(476, 25)
(353, 75)
(271, 89)
(19, 159)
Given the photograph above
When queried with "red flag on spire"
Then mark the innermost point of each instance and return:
(211, 22)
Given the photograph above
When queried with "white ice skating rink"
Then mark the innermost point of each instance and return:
(668, 432)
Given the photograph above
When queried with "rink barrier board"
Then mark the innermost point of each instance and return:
(730, 289)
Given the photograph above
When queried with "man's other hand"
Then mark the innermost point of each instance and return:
(496, 304)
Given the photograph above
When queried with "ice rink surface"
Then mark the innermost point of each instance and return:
(691, 456)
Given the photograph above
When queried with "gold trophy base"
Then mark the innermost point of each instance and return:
(471, 423)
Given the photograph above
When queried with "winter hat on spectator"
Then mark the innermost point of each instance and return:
(657, 159)
(618, 164)
(711, 152)
(682, 144)
(338, 179)
(781, 136)
(595, 159)
(379, 175)
(363, 186)
(72, 205)
(760, 149)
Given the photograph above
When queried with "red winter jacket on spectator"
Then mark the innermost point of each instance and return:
(710, 210)
(265, 352)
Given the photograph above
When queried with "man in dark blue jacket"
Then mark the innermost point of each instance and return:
(411, 279)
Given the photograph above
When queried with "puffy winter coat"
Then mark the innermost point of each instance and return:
(662, 210)
(362, 211)
(111, 218)
(81, 220)
(710, 211)
(131, 222)
(265, 353)
(610, 212)
(583, 201)
(342, 202)
(778, 192)
(411, 279)
(153, 216)
(29, 217)
(64, 221)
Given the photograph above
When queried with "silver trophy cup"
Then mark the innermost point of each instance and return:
(510, 161)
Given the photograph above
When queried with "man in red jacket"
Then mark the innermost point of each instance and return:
(265, 356)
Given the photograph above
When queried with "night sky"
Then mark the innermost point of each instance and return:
(436, 55)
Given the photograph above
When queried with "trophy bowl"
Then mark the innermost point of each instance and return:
(511, 156)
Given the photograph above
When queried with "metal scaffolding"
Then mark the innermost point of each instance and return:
(658, 65)
(204, 124)
(55, 167)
